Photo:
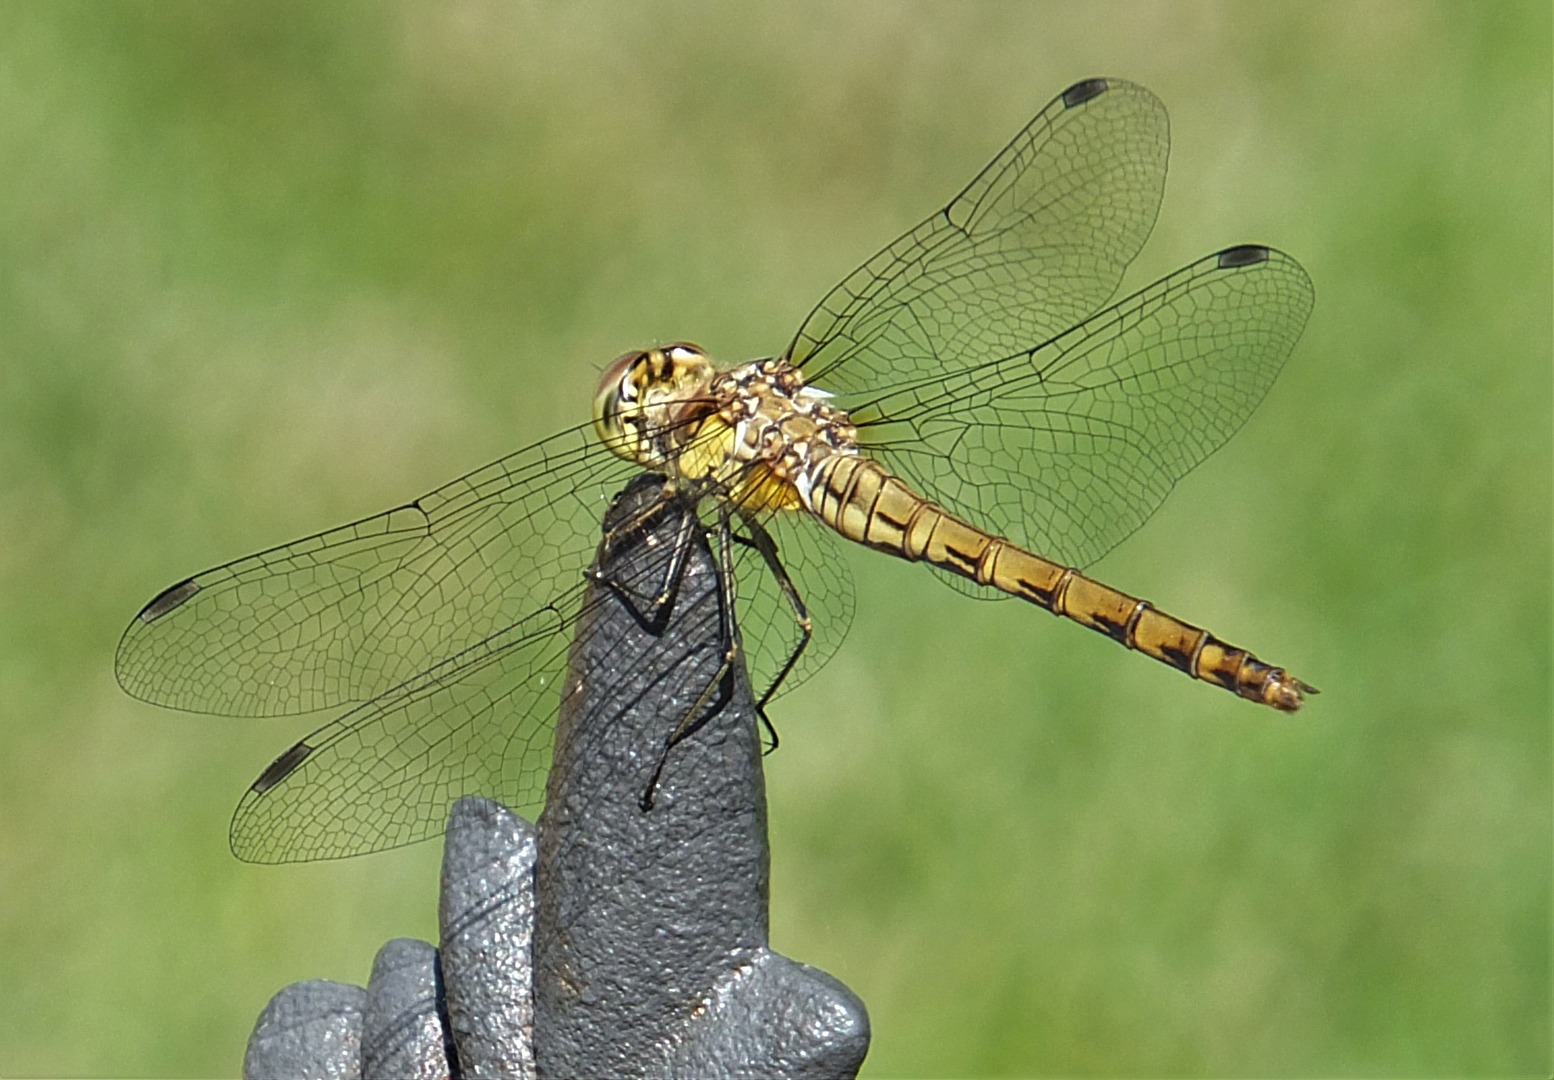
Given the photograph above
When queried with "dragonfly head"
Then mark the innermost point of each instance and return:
(641, 395)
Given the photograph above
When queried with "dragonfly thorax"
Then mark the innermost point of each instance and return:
(754, 435)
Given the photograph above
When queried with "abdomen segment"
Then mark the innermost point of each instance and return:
(863, 502)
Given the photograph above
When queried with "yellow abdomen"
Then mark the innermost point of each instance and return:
(859, 499)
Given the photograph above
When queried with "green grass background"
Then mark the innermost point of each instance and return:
(265, 268)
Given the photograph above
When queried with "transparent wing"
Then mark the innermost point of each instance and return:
(1069, 446)
(343, 616)
(811, 555)
(386, 773)
(1035, 243)
(469, 598)
(481, 722)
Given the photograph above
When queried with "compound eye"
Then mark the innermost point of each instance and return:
(617, 390)
(682, 351)
(614, 381)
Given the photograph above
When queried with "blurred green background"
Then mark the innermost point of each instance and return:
(266, 268)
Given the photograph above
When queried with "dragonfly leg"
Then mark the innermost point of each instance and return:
(661, 603)
(762, 542)
(721, 684)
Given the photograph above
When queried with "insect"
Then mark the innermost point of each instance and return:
(968, 398)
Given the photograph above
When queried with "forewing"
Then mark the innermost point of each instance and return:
(1035, 243)
(1069, 446)
(348, 614)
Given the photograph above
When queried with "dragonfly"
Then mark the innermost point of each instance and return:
(972, 397)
